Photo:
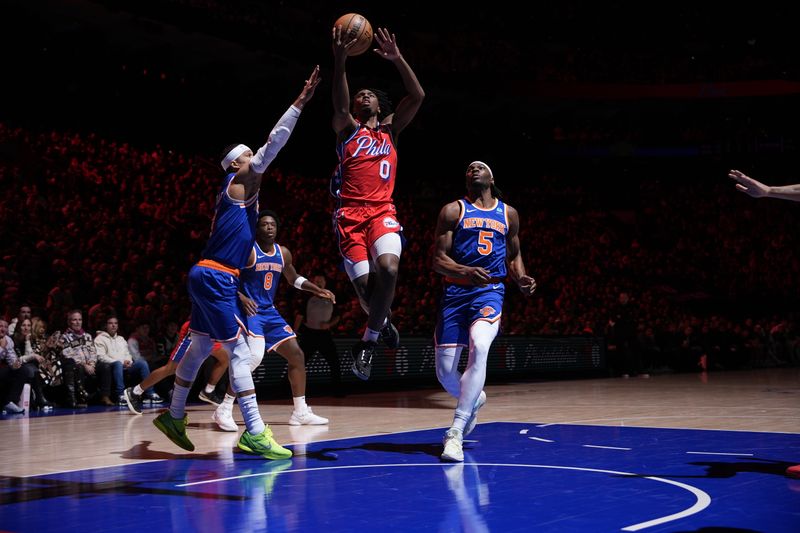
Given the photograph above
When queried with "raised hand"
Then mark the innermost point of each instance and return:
(387, 45)
(341, 44)
(748, 185)
(310, 86)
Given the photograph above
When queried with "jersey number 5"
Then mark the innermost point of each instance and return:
(267, 281)
(485, 242)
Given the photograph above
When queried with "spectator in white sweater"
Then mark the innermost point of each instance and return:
(115, 362)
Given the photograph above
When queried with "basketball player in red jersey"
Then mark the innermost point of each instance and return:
(756, 189)
(365, 221)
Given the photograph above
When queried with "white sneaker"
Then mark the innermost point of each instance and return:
(453, 446)
(13, 409)
(473, 419)
(306, 418)
(224, 419)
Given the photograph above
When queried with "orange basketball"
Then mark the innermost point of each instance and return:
(355, 26)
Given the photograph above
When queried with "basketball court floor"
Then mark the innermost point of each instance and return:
(677, 453)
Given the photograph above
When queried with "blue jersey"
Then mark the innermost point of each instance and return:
(233, 229)
(479, 239)
(260, 281)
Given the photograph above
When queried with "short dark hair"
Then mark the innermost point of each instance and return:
(270, 213)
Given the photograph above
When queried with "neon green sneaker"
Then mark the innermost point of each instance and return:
(263, 444)
(175, 430)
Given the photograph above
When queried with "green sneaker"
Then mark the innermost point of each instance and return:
(175, 430)
(263, 444)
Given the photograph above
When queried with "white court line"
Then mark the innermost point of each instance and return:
(722, 453)
(540, 439)
(630, 418)
(605, 447)
(703, 500)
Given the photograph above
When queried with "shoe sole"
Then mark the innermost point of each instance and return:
(163, 429)
(358, 373)
(130, 405)
(207, 400)
(451, 459)
(296, 423)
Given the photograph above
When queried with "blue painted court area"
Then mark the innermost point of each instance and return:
(516, 477)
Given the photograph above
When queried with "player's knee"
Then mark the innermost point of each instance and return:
(255, 361)
(481, 346)
(294, 356)
(388, 266)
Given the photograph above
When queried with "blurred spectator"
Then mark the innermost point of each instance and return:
(141, 346)
(115, 362)
(11, 379)
(24, 313)
(79, 359)
(31, 361)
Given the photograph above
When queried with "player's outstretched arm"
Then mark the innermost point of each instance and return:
(247, 181)
(407, 107)
(283, 129)
(756, 189)
(343, 122)
(516, 267)
(300, 282)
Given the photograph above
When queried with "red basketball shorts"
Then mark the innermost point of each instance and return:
(357, 228)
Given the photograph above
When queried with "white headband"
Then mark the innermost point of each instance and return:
(484, 164)
(237, 150)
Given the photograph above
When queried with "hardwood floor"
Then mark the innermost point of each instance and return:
(758, 400)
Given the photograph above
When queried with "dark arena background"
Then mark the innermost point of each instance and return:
(610, 127)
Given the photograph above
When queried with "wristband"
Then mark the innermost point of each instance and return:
(298, 283)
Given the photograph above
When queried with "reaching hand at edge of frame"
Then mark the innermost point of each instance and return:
(340, 45)
(387, 45)
(527, 285)
(748, 185)
(309, 87)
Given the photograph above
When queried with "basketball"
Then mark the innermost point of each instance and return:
(355, 26)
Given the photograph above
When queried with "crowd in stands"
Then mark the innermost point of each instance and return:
(98, 231)
(552, 43)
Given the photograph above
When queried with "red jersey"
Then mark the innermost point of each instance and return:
(367, 166)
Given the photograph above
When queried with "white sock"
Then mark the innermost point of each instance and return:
(252, 418)
(300, 403)
(228, 401)
(210, 388)
(137, 390)
(370, 335)
(460, 420)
